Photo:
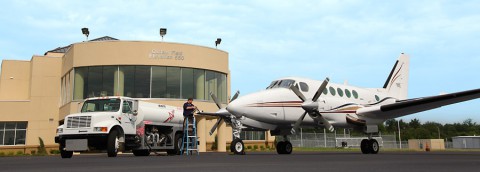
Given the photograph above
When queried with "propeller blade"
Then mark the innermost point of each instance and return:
(215, 126)
(327, 124)
(299, 121)
(298, 93)
(214, 98)
(235, 96)
(320, 89)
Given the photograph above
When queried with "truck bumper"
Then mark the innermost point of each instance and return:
(96, 141)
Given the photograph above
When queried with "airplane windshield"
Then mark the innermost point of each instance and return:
(286, 83)
(101, 105)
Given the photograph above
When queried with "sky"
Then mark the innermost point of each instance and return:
(348, 40)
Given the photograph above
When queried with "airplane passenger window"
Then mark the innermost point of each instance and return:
(325, 91)
(303, 86)
(332, 91)
(355, 94)
(347, 93)
(377, 98)
(340, 92)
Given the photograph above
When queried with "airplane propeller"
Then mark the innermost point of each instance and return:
(222, 110)
(311, 106)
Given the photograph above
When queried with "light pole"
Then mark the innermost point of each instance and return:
(85, 32)
(163, 32)
(217, 42)
(438, 128)
(399, 138)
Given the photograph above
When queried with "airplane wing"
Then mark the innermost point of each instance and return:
(410, 106)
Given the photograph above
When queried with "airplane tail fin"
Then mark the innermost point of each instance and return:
(396, 84)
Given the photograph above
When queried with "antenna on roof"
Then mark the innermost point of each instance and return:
(85, 32)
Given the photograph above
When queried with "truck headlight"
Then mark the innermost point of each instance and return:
(59, 130)
(100, 129)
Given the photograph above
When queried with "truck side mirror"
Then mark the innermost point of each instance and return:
(135, 113)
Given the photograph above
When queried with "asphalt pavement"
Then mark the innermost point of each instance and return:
(252, 162)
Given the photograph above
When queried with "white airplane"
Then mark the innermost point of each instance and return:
(283, 105)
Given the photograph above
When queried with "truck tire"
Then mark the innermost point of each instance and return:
(113, 143)
(177, 142)
(141, 152)
(64, 153)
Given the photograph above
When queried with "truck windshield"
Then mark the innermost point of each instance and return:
(101, 105)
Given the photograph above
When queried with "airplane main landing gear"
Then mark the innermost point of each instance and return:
(369, 146)
(284, 147)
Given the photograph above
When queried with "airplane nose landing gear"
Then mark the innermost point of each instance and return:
(237, 147)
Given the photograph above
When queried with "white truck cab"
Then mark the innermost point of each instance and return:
(121, 123)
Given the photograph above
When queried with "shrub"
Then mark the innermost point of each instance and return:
(41, 149)
(214, 145)
(2, 153)
(33, 152)
(53, 151)
(255, 147)
(249, 147)
(262, 147)
(20, 153)
(10, 153)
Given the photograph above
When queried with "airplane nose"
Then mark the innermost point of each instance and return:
(236, 107)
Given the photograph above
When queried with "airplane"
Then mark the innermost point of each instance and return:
(283, 106)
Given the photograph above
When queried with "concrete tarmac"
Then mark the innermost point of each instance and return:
(252, 162)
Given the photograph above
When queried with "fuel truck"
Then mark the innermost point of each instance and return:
(121, 124)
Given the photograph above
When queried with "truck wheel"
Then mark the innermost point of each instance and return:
(64, 153)
(113, 143)
(141, 152)
(177, 145)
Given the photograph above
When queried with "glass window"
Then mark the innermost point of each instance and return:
(79, 89)
(286, 83)
(304, 86)
(377, 98)
(221, 87)
(127, 107)
(355, 94)
(210, 84)
(159, 82)
(252, 135)
(340, 92)
(199, 83)
(108, 80)
(325, 91)
(101, 105)
(173, 82)
(13, 133)
(273, 83)
(332, 91)
(347, 93)
(187, 83)
(94, 81)
(142, 81)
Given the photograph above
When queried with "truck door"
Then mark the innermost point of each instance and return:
(128, 117)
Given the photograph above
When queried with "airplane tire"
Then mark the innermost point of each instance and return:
(373, 146)
(280, 147)
(365, 146)
(64, 153)
(113, 143)
(141, 152)
(288, 148)
(237, 147)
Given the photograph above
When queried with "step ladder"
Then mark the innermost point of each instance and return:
(190, 143)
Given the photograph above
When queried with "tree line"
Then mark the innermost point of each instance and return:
(429, 130)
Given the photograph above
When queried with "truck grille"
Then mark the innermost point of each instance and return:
(79, 121)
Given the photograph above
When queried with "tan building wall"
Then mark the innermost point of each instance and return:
(29, 93)
(421, 144)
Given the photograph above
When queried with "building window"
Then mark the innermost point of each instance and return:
(13, 133)
(252, 135)
(147, 82)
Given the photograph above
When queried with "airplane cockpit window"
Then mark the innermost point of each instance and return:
(272, 84)
(303, 86)
(286, 83)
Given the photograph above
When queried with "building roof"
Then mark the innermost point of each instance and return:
(65, 48)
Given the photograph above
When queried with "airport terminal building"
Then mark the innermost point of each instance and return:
(36, 95)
